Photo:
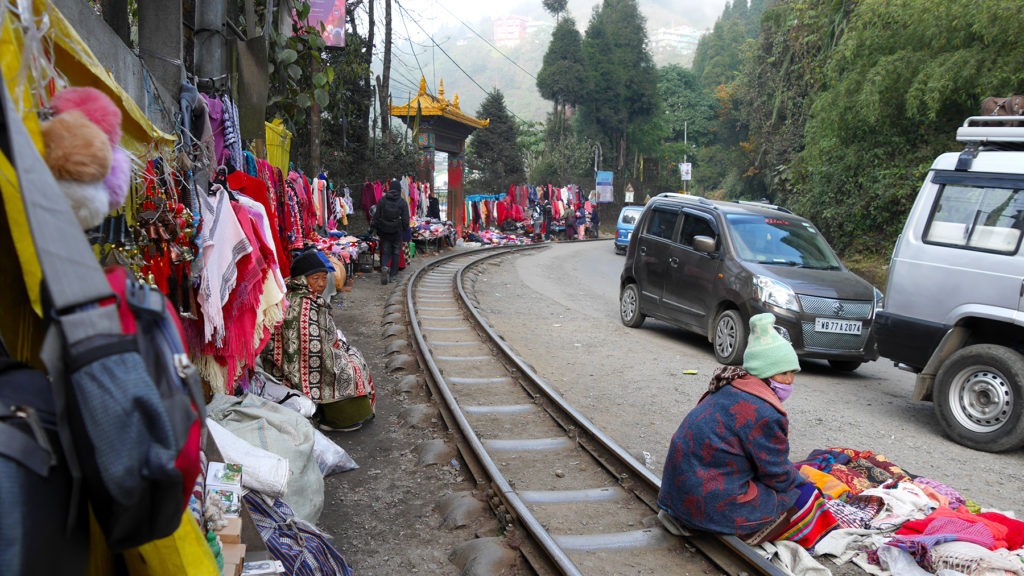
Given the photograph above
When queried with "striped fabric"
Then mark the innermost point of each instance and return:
(302, 549)
(812, 521)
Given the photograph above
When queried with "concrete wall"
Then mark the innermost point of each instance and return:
(122, 63)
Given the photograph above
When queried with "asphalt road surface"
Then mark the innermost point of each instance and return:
(559, 308)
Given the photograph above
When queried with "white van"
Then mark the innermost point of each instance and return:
(954, 301)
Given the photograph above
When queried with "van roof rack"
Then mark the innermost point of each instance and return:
(763, 205)
(998, 130)
(688, 197)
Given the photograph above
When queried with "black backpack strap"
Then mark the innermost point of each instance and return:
(33, 452)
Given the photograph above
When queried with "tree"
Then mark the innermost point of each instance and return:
(562, 76)
(902, 78)
(555, 7)
(620, 76)
(494, 159)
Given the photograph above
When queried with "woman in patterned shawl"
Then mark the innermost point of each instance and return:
(308, 353)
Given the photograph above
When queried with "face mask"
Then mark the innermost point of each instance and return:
(781, 390)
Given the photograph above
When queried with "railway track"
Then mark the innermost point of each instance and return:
(572, 499)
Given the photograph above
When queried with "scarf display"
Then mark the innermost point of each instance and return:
(224, 244)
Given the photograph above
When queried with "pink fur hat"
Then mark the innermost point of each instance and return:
(97, 107)
(119, 179)
(76, 149)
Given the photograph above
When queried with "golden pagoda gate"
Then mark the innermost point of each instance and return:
(442, 126)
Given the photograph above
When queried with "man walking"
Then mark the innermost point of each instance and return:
(390, 221)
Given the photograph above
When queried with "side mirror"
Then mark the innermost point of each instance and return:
(704, 244)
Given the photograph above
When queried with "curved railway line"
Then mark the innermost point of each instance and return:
(574, 501)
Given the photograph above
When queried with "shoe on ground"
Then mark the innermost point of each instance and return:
(384, 274)
(352, 428)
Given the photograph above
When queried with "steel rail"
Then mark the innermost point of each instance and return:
(712, 545)
(508, 494)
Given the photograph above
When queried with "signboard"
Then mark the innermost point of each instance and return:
(685, 170)
(332, 14)
(629, 193)
(604, 187)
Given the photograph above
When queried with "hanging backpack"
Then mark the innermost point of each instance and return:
(127, 400)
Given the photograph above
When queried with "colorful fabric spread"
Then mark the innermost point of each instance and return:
(306, 354)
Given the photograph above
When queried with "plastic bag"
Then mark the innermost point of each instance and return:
(274, 391)
(330, 457)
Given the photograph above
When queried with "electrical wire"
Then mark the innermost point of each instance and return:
(457, 65)
(409, 36)
(493, 47)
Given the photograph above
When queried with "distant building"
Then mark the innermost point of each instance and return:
(509, 30)
(676, 39)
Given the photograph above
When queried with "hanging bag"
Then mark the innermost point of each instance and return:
(127, 405)
(35, 481)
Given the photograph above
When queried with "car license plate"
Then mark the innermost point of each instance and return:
(837, 326)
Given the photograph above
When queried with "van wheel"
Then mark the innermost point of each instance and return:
(629, 306)
(730, 338)
(845, 365)
(979, 399)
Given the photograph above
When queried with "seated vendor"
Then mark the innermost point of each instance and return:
(309, 354)
(728, 469)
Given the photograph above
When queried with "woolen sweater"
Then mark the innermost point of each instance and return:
(728, 468)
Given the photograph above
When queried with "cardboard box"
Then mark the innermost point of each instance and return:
(232, 533)
(234, 554)
(231, 570)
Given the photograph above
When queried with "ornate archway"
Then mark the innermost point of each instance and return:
(441, 126)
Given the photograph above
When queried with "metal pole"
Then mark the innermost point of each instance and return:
(685, 147)
(211, 67)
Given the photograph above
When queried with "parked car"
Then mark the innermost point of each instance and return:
(624, 227)
(709, 266)
(955, 295)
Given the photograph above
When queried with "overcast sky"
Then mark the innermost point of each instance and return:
(432, 14)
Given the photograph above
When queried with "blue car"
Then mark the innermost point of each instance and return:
(624, 227)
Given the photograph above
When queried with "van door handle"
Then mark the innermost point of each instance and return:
(673, 262)
(643, 250)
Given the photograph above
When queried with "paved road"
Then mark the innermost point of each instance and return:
(559, 307)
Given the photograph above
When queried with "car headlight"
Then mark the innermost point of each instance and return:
(879, 300)
(775, 293)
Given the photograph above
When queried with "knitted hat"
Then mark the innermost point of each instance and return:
(307, 263)
(767, 353)
(395, 186)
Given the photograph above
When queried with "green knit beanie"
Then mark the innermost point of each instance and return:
(767, 353)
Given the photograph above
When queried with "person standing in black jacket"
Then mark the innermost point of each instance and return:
(390, 221)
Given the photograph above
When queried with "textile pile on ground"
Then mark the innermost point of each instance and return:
(892, 522)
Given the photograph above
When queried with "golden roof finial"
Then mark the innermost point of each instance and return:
(440, 92)
(456, 103)
(423, 86)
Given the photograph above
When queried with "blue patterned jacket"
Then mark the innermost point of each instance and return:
(728, 468)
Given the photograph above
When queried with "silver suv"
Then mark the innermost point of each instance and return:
(954, 310)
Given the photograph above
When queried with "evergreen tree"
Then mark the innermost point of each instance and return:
(621, 77)
(562, 77)
(555, 7)
(494, 159)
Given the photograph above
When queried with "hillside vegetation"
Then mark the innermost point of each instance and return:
(836, 108)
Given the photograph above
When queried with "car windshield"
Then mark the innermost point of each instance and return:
(630, 216)
(780, 241)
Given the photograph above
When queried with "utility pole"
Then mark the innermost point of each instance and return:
(686, 147)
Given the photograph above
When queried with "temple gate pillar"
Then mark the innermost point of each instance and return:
(425, 145)
(456, 202)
